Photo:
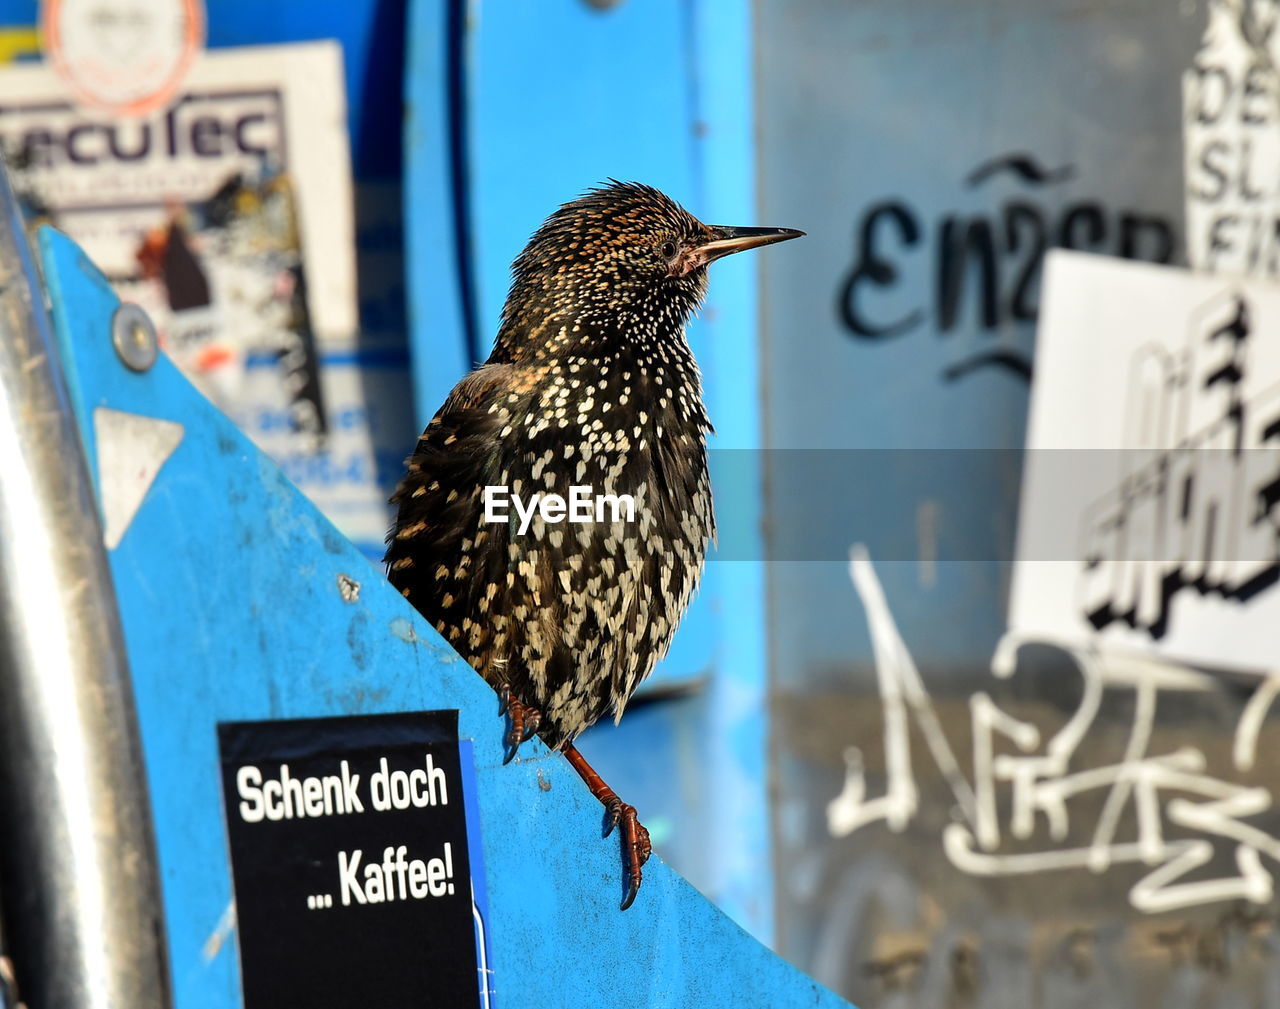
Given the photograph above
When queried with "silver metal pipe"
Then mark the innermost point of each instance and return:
(78, 873)
(8, 989)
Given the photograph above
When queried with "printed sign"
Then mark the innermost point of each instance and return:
(1150, 514)
(1231, 144)
(228, 216)
(353, 873)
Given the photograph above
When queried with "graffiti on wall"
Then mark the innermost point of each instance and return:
(910, 274)
(1185, 814)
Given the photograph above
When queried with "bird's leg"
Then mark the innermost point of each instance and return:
(525, 720)
(635, 839)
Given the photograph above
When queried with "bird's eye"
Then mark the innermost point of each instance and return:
(669, 249)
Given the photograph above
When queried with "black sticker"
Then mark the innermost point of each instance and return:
(350, 860)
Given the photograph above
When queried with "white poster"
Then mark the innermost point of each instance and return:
(1150, 512)
(228, 215)
(1230, 141)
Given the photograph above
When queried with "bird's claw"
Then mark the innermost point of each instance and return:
(504, 699)
(524, 729)
(633, 888)
(636, 847)
(525, 722)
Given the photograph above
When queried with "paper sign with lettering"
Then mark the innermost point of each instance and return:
(228, 216)
(1150, 512)
(350, 856)
(1231, 144)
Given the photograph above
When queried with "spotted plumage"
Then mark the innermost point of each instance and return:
(591, 384)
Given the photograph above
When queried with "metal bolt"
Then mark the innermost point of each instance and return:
(134, 337)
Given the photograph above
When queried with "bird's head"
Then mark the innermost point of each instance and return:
(624, 259)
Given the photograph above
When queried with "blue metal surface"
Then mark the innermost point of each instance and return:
(228, 587)
(659, 92)
(436, 304)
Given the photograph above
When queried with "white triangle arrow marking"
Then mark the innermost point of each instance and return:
(131, 450)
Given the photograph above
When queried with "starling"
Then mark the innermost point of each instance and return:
(591, 385)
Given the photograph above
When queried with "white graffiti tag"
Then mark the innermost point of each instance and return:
(1162, 790)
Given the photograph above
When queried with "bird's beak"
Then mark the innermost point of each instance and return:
(727, 241)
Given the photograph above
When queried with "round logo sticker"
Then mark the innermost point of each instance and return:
(122, 56)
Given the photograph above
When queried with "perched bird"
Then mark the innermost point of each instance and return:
(591, 384)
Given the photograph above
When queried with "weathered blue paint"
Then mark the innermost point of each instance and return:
(659, 92)
(227, 581)
(736, 733)
(436, 310)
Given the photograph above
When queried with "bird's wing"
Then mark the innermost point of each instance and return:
(495, 594)
(436, 554)
(673, 549)
(571, 615)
